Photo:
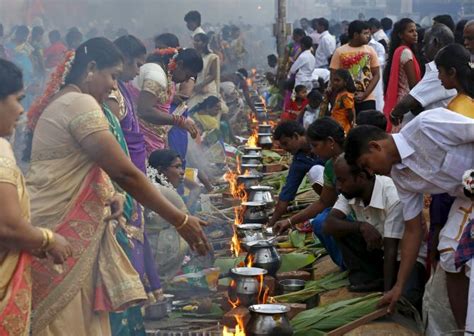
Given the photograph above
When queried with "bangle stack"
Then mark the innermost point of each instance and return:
(179, 121)
(183, 224)
(48, 239)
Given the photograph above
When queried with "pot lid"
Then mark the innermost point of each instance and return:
(253, 204)
(251, 165)
(265, 134)
(253, 148)
(251, 156)
(248, 271)
(261, 188)
(269, 309)
(249, 226)
(249, 177)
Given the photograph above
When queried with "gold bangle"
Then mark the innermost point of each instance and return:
(48, 239)
(45, 241)
(184, 223)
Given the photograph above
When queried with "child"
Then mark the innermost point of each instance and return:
(343, 110)
(296, 105)
(311, 112)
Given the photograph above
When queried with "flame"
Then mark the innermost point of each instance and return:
(250, 260)
(272, 123)
(249, 82)
(235, 247)
(253, 139)
(236, 303)
(265, 295)
(254, 71)
(239, 328)
(262, 292)
(253, 118)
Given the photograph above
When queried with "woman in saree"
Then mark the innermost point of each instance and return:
(208, 80)
(18, 238)
(402, 72)
(165, 171)
(156, 88)
(75, 158)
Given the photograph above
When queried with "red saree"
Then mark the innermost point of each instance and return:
(16, 301)
(116, 284)
(391, 93)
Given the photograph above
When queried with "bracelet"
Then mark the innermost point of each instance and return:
(48, 239)
(183, 224)
(289, 222)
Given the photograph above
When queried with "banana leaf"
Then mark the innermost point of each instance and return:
(297, 239)
(332, 316)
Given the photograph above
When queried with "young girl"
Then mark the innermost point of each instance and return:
(457, 72)
(297, 105)
(402, 71)
(343, 88)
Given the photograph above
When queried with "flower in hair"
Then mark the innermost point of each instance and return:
(468, 181)
(56, 81)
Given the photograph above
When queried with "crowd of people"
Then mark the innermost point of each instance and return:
(380, 119)
(389, 111)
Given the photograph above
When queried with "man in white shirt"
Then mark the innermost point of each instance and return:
(428, 156)
(428, 93)
(326, 46)
(378, 33)
(193, 23)
(304, 65)
(370, 242)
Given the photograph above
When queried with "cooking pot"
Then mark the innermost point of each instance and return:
(269, 320)
(251, 159)
(245, 285)
(265, 140)
(255, 212)
(265, 255)
(261, 193)
(249, 180)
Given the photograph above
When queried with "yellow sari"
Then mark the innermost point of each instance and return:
(15, 266)
(69, 194)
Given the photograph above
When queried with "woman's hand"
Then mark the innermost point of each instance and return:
(116, 203)
(396, 119)
(60, 249)
(191, 127)
(194, 235)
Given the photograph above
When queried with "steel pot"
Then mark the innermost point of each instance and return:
(249, 180)
(291, 285)
(265, 140)
(261, 193)
(266, 256)
(252, 151)
(252, 169)
(264, 128)
(251, 159)
(269, 320)
(245, 284)
(255, 212)
(250, 232)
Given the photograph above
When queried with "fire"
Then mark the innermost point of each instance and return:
(262, 292)
(250, 261)
(239, 328)
(238, 162)
(235, 244)
(253, 118)
(272, 123)
(253, 139)
(236, 303)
